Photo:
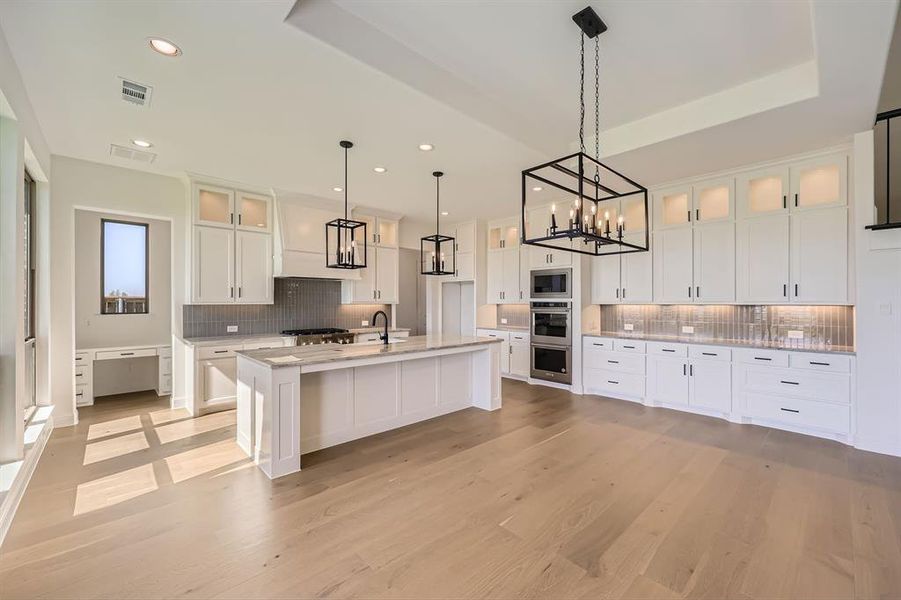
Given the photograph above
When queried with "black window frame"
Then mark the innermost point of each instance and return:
(146, 227)
(30, 257)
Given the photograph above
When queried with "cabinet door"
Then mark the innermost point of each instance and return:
(254, 211)
(539, 257)
(673, 266)
(525, 273)
(710, 382)
(387, 232)
(466, 237)
(214, 265)
(218, 380)
(510, 275)
(714, 262)
(214, 206)
(605, 279)
(505, 356)
(561, 258)
(254, 267)
(495, 274)
(636, 273)
(762, 259)
(519, 359)
(668, 380)
(672, 207)
(762, 192)
(713, 200)
(819, 256)
(465, 266)
(819, 183)
(386, 275)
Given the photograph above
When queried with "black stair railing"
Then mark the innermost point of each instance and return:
(887, 170)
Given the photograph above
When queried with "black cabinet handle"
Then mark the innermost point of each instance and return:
(613, 362)
(789, 382)
(617, 293)
(624, 293)
(784, 201)
(697, 214)
(613, 382)
(691, 370)
(689, 291)
(709, 353)
(762, 358)
(629, 347)
(667, 349)
(698, 292)
(689, 215)
(785, 290)
(796, 199)
(219, 351)
(596, 344)
(796, 290)
(684, 366)
(822, 364)
(791, 410)
(126, 354)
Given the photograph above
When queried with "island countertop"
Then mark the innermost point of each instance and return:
(304, 356)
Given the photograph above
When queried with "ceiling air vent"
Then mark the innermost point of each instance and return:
(130, 154)
(135, 93)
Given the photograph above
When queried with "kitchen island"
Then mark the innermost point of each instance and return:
(296, 400)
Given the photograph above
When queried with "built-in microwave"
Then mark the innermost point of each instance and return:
(552, 283)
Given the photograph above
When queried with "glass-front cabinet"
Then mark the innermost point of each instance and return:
(672, 207)
(712, 200)
(254, 211)
(763, 192)
(503, 235)
(815, 183)
(214, 206)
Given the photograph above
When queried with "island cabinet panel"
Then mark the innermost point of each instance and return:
(327, 406)
(455, 383)
(419, 392)
(375, 394)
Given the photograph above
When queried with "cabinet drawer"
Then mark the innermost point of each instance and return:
(165, 365)
(263, 344)
(82, 358)
(366, 337)
(633, 346)
(616, 383)
(667, 349)
(165, 351)
(136, 353)
(400, 334)
(597, 343)
(82, 374)
(218, 351)
(621, 362)
(81, 395)
(773, 358)
(519, 338)
(825, 387)
(493, 333)
(801, 413)
(836, 363)
(710, 352)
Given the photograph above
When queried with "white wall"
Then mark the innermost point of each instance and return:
(878, 316)
(82, 184)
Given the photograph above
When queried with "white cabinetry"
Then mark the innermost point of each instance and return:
(232, 246)
(762, 263)
(465, 248)
(538, 223)
(622, 278)
(714, 262)
(504, 275)
(819, 256)
(694, 377)
(673, 256)
(378, 282)
(515, 354)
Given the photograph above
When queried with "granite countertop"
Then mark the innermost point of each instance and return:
(313, 355)
(377, 329)
(733, 343)
(217, 340)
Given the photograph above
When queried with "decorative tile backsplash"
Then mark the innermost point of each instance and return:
(299, 304)
(517, 315)
(822, 326)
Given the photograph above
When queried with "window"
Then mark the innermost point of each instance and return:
(30, 355)
(124, 267)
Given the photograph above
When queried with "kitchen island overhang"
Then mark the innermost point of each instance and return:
(291, 401)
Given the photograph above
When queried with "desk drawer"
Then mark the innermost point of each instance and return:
(615, 383)
(82, 358)
(801, 413)
(205, 352)
(81, 395)
(835, 363)
(82, 374)
(136, 353)
(621, 362)
(668, 349)
(710, 352)
(634, 346)
(762, 356)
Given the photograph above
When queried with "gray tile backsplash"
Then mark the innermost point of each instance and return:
(517, 315)
(299, 304)
(821, 325)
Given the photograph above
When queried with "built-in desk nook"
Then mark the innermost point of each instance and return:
(87, 358)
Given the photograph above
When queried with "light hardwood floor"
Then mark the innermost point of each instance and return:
(554, 496)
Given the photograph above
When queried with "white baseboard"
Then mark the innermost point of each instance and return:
(24, 469)
(65, 420)
(879, 446)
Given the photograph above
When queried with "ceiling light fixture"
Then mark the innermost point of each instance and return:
(379, 169)
(337, 189)
(444, 213)
(537, 188)
(434, 249)
(141, 143)
(426, 147)
(164, 47)
(342, 234)
(593, 199)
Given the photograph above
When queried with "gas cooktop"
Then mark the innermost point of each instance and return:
(321, 335)
(319, 331)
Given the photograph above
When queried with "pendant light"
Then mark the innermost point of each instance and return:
(345, 239)
(437, 253)
(589, 192)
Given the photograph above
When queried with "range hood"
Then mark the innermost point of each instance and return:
(300, 237)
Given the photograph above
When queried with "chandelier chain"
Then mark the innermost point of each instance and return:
(597, 96)
(582, 94)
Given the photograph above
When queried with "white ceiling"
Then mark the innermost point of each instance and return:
(264, 90)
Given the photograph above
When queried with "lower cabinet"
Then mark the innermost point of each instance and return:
(515, 351)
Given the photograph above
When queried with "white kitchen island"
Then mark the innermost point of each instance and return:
(299, 399)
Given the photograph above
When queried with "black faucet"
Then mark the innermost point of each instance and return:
(384, 338)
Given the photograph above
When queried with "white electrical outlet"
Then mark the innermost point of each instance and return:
(231, 328)
(794, 334)
(688, 329)
(503, 321)
(365, 323)
(628, 326)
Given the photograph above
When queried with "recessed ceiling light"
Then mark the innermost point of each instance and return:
(379, 169)
(537, 188)
(444, 213)
(164, 47)
(337, 189)
(141, 143)
(426, 147)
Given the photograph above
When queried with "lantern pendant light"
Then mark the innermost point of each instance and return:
(345, 239)
(587, 189)
(437, 253)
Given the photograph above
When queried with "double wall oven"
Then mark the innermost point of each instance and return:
(551, 340)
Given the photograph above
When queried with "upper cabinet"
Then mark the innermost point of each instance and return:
(378, 282)
(503, 235)
(814, 183)
(505, 282)
(672, 207)
(703, 202)
(763, 192)
(231, 246)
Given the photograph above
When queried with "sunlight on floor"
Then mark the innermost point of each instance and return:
(113, 489)
(99, 430)
(167, 415)
(185, 429)
(204, 459)
(118, 446)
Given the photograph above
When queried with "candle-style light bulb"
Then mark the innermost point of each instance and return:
(607, 223)
(620, 226)
(553, 218)
(553, 208)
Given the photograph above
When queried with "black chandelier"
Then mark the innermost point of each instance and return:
(589, 198)
(435, 250)
(341, 235)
